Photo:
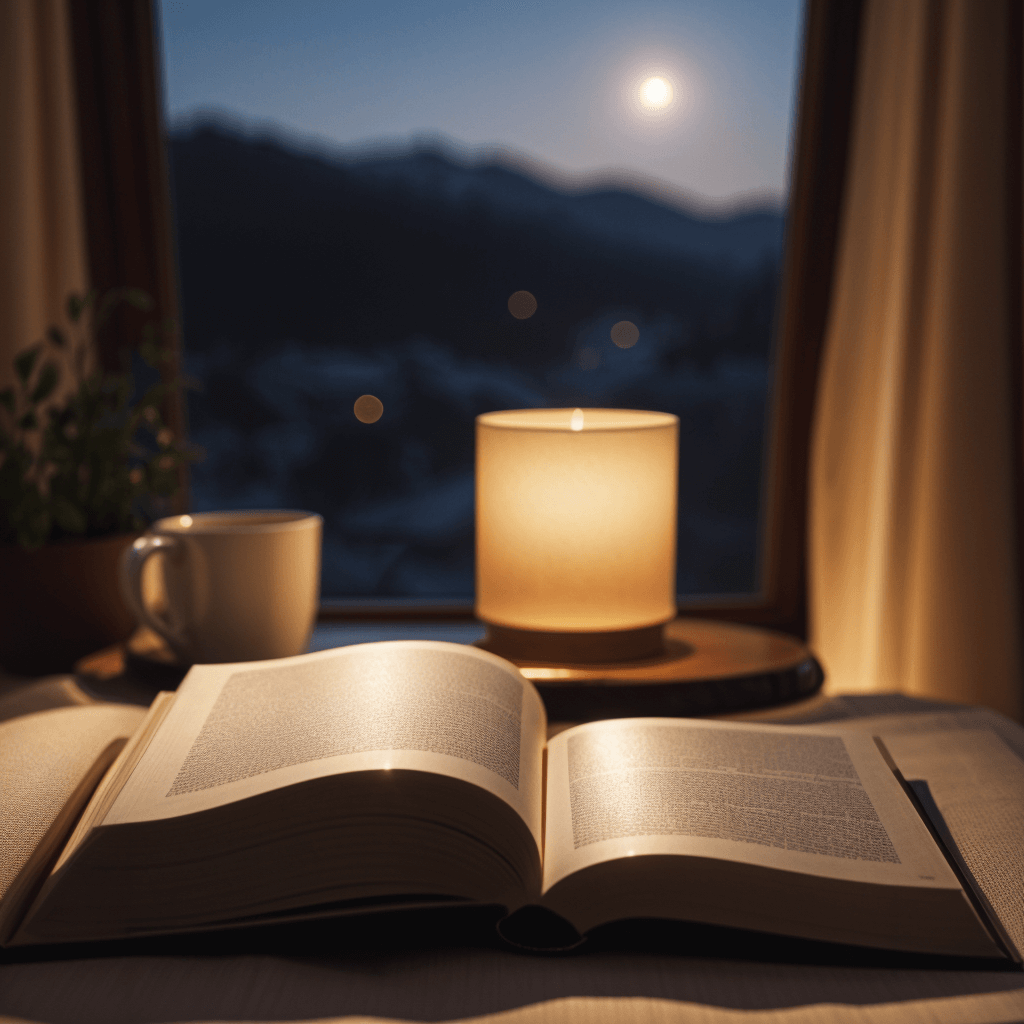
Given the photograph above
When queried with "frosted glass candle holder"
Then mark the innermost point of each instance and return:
(576, 531)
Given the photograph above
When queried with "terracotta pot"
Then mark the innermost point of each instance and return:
(60, 602)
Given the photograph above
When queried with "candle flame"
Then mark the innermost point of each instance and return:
(576, 420)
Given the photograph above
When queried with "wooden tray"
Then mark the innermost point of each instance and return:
(708, 668)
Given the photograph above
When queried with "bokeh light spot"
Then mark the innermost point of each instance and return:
(625, 334)
(588, 358)
(522, 305)
(368, 408)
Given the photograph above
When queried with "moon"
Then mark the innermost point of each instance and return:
(655, 93)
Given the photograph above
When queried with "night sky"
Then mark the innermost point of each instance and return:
(556, 85)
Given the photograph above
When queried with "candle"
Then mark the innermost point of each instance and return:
(576, 519)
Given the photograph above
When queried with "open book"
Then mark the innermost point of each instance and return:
(413, 772)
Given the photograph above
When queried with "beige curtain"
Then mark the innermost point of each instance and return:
(42, 239)
(913, 518)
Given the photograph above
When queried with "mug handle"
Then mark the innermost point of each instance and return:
(132, 562)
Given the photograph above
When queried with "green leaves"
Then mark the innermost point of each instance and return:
(67, 516)
(138, 298)
(152, 351)
(77, 305)
(46, 383)
(25, 361)
(34, 523)
(135, 297)
(92, 462)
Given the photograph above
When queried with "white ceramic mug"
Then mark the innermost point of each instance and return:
(240, 586)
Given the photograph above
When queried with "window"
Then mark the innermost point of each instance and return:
(458, 209)
(829, 54)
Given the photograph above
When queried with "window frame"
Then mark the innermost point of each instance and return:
(131, 241)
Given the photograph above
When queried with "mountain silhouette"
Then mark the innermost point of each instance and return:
(618, 216)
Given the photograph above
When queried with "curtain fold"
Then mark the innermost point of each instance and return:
(43, 252)
(914, 519)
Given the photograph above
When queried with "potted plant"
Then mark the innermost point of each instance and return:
(84, 463)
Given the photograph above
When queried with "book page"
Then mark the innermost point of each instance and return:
(238, 730)
(973, 762)
(977, 783)
(951, 721)
(49, 764)
(794, 799)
